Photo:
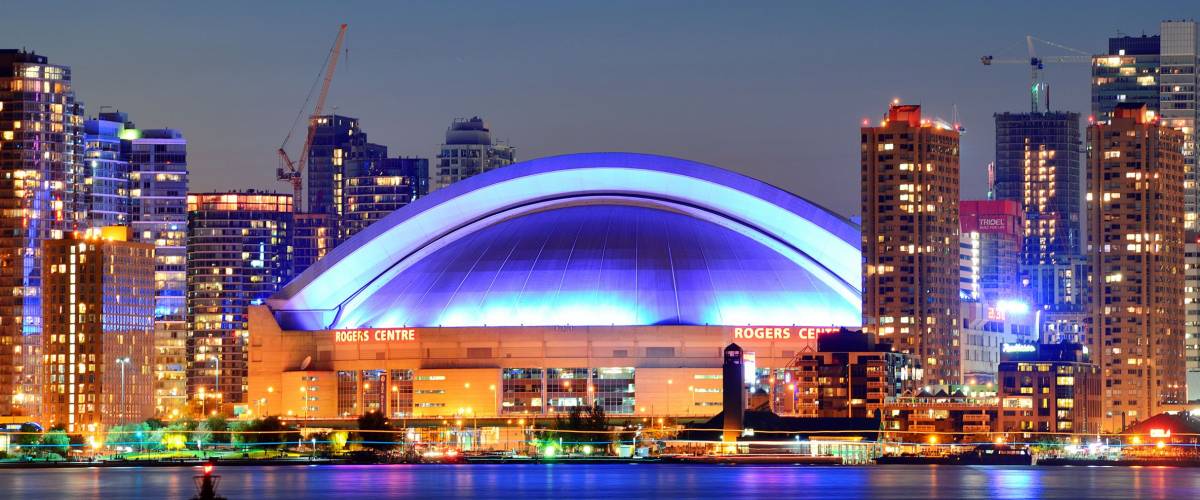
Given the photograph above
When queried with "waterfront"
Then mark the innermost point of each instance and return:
(559, 481)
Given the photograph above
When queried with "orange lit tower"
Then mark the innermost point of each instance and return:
(1135, 207)
(910, 238)
(98, 342)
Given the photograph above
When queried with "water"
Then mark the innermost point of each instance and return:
(608, 481)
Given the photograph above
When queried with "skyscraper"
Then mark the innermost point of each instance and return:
(99, 324)
(337, 139)
(469, 150)
(158, 191)
(1161, 73)
(373, 188)
(239, 252)
(1037, 166)
(1136, 245)
(107, 166)
(41, 198)
(910, 238)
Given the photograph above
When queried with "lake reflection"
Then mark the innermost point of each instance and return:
(610, 482)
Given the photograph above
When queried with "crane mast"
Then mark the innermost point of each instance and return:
(293, 171)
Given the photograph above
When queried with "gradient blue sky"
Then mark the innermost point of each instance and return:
(776, 90)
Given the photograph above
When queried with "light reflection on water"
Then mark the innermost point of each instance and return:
(609, 482)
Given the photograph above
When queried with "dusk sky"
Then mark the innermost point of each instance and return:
(773, 90)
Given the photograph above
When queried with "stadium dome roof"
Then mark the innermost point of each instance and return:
(589, 239)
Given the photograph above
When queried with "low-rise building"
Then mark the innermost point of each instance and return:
(848, 376)
(937, 415)
(1049, 388)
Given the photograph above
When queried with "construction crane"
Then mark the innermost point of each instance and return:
(1039, 97)
(293, 171)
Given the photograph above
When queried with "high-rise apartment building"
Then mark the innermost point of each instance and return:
(1038, 166)
(98, 339)
(469, 150)
(314, 235)
(337, 140)
(910, 239)
(158, 181)
(991, 235)
(107, 165)
(1136, 244)
(1161, 73)
(42, 197)
(373, 188)
(239, 252)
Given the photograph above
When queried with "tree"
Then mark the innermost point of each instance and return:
(56, 441)
(30, 434)
(217, 425)
(583, 427)
(375, 421)
(270, 431)
(201, 434)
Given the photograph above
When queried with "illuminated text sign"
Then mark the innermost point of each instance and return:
(780, 332)
(375, 335)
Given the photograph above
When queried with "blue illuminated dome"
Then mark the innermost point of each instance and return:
(589, 239)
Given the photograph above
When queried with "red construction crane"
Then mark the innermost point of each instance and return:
(293, 171)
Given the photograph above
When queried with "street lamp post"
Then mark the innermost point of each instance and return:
(122, 362)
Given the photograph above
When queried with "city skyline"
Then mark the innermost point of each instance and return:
(717, 84)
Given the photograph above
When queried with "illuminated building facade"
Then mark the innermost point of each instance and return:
(238, 253)
(606, 278)
(991, 236)
(98, 342)
(469, 150)
(910, 238)
(986, 328)
(1136, 243)
(1049, 388)
(337, 140)
(848, 376)
(314, 235)
(943, 415)
(42, 197)
(107, 165)
(158, 183)
(374, 188)
(1191, 306)
(1038, 167)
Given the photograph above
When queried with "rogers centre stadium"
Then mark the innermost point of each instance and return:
(607, 278)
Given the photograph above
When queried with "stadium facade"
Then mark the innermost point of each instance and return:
(603, 278)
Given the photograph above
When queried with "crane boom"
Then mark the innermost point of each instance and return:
(293, 171)
(1038, 94)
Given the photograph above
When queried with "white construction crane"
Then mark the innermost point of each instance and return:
(1039, 97)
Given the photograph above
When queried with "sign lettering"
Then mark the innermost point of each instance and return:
(375, 335)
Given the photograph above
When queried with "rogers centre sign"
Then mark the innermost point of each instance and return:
(781, 332)
(375, 335)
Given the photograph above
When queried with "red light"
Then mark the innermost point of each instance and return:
(208, 468)
(452, 453)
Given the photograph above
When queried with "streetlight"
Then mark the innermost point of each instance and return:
(670, 382)
(122, 362)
